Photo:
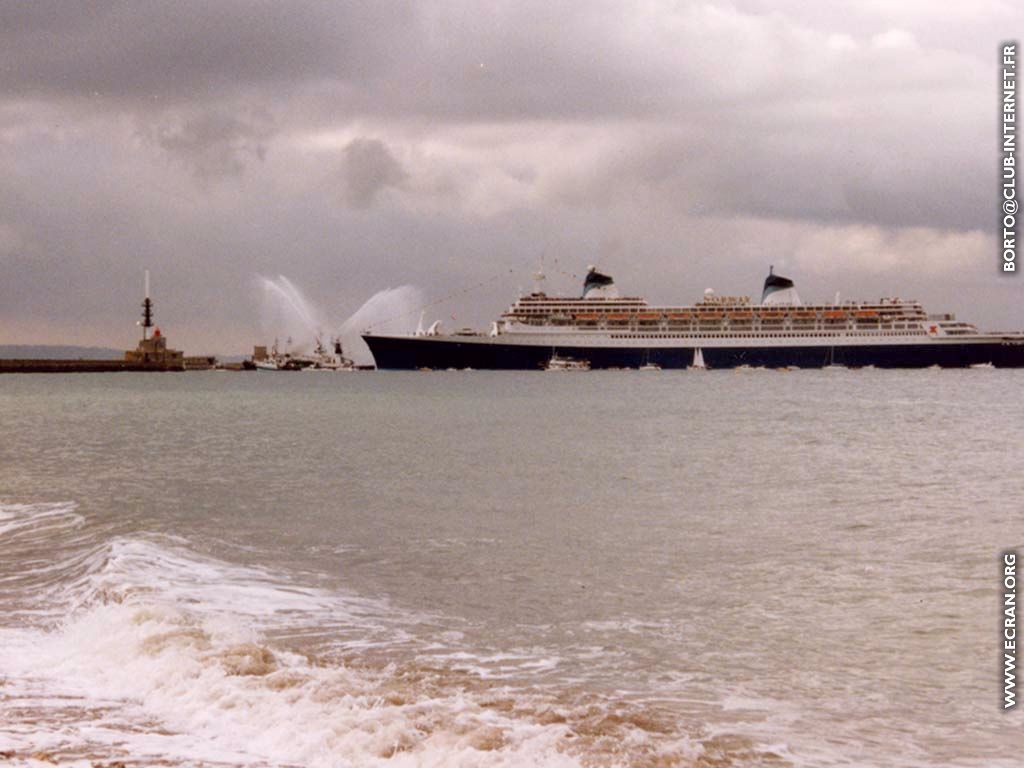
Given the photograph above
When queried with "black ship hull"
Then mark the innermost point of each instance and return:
(439, 353)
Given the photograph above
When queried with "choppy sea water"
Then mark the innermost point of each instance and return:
(502, 569)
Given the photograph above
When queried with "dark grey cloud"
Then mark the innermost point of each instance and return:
(837, 174)
(367, 167)
(150, 52)
(355, 146)
(213, 143)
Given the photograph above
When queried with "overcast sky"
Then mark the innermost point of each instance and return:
(359, 146)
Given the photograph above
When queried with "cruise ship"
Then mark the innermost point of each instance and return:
(608, 331)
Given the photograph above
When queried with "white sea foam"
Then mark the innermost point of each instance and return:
(169, 686)
(37, 518)
(147, 652)
(164, 655)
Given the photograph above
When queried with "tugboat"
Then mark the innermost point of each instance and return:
(321, 358)
(277, 360)
(324, 360)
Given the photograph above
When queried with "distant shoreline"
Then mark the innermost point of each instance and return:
(57, 352)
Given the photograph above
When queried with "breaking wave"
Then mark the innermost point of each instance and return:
(136, 648)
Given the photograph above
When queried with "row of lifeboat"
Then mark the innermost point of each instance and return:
(736, 316)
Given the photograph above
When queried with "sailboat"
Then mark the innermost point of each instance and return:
(698, 360)
(647, 365)
(832, 365)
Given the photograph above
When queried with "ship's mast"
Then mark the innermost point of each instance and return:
(147, 310)
(538, 277)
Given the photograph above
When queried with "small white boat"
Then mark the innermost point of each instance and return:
(560, 363)
(698, 360)
(982, 366)
(283, 362)
(647, 365)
